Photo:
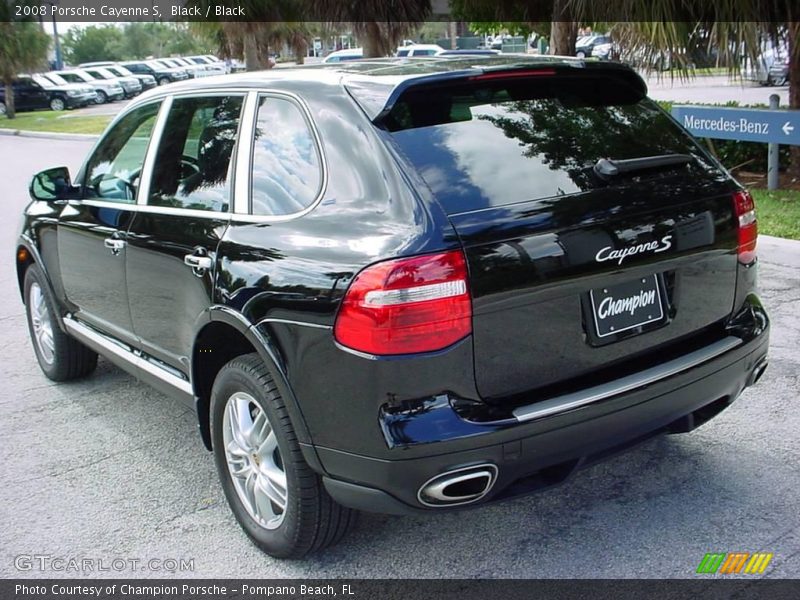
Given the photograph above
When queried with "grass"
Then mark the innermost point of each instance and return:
(58, 122)
(778, 212)
(710, 71)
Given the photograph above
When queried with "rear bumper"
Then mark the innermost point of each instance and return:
(536, 454)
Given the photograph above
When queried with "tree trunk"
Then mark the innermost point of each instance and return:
(252, 56)
(562, 38)
(300, 51)
(10, 110)
(563, 31)
(373, 45)
(794, 91)
(453, 30)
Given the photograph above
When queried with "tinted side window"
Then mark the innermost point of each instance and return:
(114, 169)
(286, 164)
(193, 163)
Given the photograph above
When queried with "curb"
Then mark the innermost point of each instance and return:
(779, 251)
(84, 137)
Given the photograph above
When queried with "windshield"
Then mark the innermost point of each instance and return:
(57, 79)
(120, 71)
(43, 81)
(103, 73)
(82, 75)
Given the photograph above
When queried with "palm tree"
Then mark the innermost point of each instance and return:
(651, 30)
(391, 21)
(255, 36)
(23, 47)
(737, 41)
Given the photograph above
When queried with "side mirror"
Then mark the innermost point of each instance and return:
(52, 184)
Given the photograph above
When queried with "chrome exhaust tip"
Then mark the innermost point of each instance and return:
(459, 486)
(757, 372)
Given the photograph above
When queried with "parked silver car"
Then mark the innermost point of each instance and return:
(130, 85)
(107, 90)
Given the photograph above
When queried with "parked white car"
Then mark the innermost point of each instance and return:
(419, 50)
(212, 64)
(107, 90)
(344, 55)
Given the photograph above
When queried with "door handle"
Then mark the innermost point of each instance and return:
(114, 245)
(197, 262)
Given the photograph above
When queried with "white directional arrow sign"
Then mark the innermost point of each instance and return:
(787, 128)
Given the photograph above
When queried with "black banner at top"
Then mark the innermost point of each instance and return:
(123, 11)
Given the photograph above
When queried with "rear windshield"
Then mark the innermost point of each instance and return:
(487, 144)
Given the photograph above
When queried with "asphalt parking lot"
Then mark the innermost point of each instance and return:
(107, 468)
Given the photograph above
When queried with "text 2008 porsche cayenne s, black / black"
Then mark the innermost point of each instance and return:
(401, 285)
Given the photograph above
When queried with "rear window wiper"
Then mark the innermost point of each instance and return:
(606, 168)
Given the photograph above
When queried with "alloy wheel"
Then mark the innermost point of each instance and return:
(42, 324)
(254, 460)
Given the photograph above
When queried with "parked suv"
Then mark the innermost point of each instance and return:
(106, 90)
(130, 85)
(161, 73)
(401, 288)
(37, 91)
(146, 81)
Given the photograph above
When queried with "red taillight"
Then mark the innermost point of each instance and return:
(406, 306)
(745, 210)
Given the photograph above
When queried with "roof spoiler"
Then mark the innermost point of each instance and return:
(378, 99)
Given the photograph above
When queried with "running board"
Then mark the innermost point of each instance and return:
(597, 393)
(129, 359)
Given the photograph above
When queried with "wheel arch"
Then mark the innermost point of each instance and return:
(225, 335)
(26, 255)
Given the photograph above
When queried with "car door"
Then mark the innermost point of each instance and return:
(29, 95)
(92, 230)
(172, 242)
(22, 97)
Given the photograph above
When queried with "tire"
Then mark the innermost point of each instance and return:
(57, 104)
(101, 97)
(163, 81)
(580, 54)
(309, 519)
(60, 357)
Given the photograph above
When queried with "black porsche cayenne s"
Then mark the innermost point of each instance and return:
(401, 286)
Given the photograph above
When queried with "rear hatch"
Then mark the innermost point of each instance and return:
(600, 237)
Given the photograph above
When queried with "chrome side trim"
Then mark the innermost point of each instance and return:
(244, 155)
(111, 348)
(574, 400)
(290, 322)
(160, 210)
(143, 192)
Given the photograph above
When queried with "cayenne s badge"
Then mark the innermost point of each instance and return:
(656, 246)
